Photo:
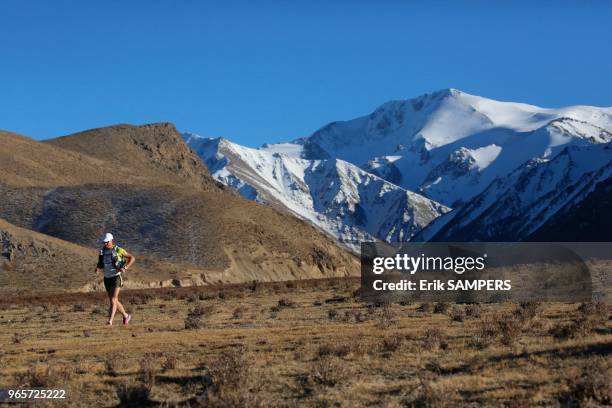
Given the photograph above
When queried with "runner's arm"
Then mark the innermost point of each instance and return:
(131, 259)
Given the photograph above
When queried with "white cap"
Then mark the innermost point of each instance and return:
(107, 237)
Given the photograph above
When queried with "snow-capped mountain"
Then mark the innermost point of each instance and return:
(390, 173)
(513, 208)
(450, 145)
(337, 196)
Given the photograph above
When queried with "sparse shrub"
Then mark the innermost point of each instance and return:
(337, 299)
(405, 302)
(195, 317)
(597, 312)
(148, 371)
(386, 314)
(48, 376)
(133, 395)
(231, 382)
(96, 311)
(332, 314)
(592, 385)
(346, 317)
(441, 307)
(170, 362)
(338, 350)
(580, 327)
(425, 308)
(140, 298)
(526, 311)
(17, 338)
(485, 334)
(275, 308)
(193, 298)
(434, 339)
(78, 307)
(393, 342)
(317, 302)
(359, 316)
(474, 311)
(427, 396)
(328, 372)
(510, 329)
(229, 369)
(113, 364)
(284, 302)
(221, 295)
(457, 314)
(252, 286)
(238, 312)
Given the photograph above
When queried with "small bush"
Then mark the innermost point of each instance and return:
(425, 308)
(474, 311)
(580, 327)
(140, 298)
(510, 329)
(457, 314)
(133, 395)
(337, 299)
(170, 362)
(393, 342)
(527, 311)
(229, 370)
(434, 339)
(96, 311)
(327, 372)
(238, 312)
(113, 364)
(427, 396)
(332, 314)
(148, 371)
(49, 376)
(359, 316)
(597, 312)
(78, 307)
(195, 317)
(485, 334)
(592, 385)
(284, 302)
(441, 307)
(338, 350)
(386, 314)
(231, 383)
(317, 302)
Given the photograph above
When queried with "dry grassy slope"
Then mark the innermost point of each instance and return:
(155, 153)
(160, 203)
(33, 261)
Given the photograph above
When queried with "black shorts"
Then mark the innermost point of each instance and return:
(112, 283)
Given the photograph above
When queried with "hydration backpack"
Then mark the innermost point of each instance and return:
(117, 259)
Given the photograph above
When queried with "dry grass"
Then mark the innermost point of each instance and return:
(323, 348)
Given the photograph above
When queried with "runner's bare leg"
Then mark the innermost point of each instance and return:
(116, 304)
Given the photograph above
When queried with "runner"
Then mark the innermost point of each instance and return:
(112, 260)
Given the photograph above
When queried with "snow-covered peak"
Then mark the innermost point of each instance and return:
(334, 195)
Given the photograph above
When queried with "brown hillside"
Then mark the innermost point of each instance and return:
(155, 153)
(159, 201)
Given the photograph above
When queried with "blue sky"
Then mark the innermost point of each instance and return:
(268, 71)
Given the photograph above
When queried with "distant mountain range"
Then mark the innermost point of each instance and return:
(441, 166)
